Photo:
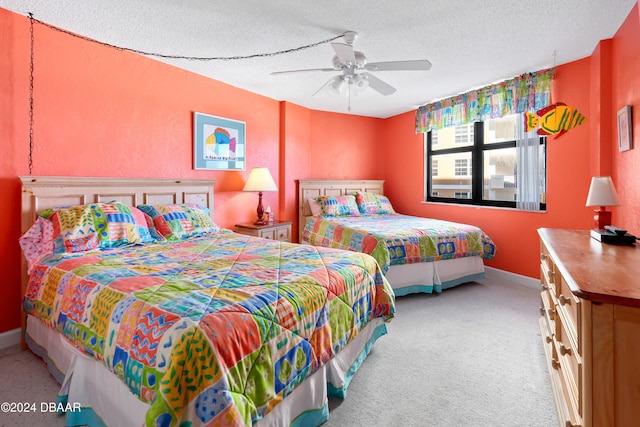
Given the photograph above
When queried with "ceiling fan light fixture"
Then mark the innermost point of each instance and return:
(355, 76)
(339, 86)
(361, 59)
(360, 82)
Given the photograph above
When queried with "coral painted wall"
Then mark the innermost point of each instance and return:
(514, 232)
(597, 86)
(625, 84)
(322, 145)
(102, 112)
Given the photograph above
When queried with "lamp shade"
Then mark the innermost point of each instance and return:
(260, 179)
(602, 192)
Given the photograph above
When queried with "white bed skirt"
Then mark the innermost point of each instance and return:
(428, 277)
(106, 401)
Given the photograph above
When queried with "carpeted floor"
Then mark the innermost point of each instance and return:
(471, 356)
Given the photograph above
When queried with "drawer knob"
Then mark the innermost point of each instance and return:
(548, 339)
(541, 311)
(543, 256)
(564, 300)
(544, 287)
(564, 350)
(555, 364)
(551, 312)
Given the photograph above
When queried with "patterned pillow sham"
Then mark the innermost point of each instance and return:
(48, 212)
(338, 205)
(373, 204)
(314, 206)
(99, 226)
(180, 221)
(37, 242)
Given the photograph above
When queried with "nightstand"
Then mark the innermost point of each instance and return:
(277, 230)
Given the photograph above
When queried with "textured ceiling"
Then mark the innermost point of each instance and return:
(469, 43)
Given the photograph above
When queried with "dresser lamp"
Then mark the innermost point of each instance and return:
(602, 193)
(260, 180)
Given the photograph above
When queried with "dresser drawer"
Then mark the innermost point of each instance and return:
(283, 234)
(571, 365)
(547, 338)
(569, 309)
(548, 311)
(570, 400)
(547, 272)
(268, 234)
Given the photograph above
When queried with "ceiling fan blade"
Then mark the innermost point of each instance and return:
(303, 71)
(344, 52)
(415, 65)
(325, 87)
(378, 85)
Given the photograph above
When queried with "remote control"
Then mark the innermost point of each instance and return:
(617, 230)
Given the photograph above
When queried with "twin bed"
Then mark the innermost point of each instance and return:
(148, 314)
(417, 255)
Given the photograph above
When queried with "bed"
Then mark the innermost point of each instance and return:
(417, 255)
(197, 326)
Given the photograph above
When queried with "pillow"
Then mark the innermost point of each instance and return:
(338, 205)
(99, 226)
(373, 204)
(37, 242)
(315, 207)
(47, 213)
(180, 221)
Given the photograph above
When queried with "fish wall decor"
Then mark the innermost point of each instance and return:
(556, 119)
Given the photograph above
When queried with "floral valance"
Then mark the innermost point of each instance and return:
(528, 92)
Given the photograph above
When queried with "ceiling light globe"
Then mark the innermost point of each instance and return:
(361, 60)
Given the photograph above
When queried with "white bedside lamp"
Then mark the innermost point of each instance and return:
(602, 193)
(260, 180)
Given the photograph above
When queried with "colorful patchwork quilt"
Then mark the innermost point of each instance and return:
(399, 239)
(212, 330)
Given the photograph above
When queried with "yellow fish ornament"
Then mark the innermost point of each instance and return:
(555, 119)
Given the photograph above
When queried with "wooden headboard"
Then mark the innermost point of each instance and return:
(308, 189)
(42, 192)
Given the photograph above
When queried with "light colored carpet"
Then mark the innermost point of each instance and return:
(471, 356)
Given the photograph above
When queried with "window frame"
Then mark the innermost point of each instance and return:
(477, 150)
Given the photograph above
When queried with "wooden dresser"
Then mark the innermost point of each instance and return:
(590, 324)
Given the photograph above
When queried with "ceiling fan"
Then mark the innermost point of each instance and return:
(355, 70)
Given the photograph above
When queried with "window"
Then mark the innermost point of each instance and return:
(488, 163)
(462, 167)
(434, 139)
(464, 135)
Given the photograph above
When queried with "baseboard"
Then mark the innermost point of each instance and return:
(527, 281)
(9, 338)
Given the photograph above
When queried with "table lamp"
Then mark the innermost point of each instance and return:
(602, 193)
(260, 180)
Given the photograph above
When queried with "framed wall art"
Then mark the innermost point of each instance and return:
(625, 134)
(218, 143)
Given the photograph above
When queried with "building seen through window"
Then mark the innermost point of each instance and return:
(479, 164)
